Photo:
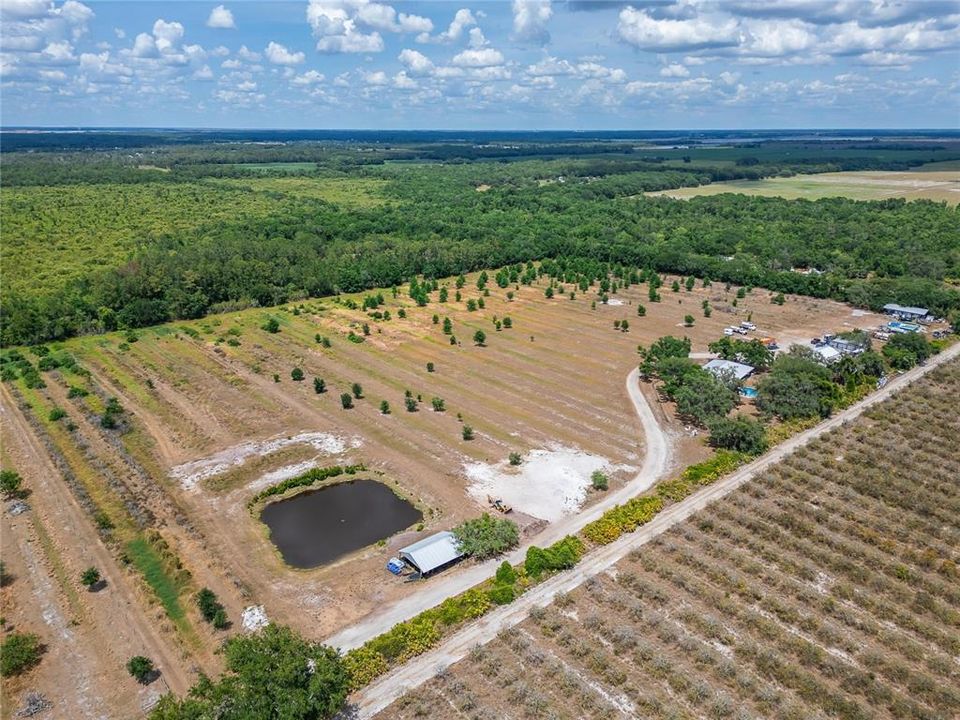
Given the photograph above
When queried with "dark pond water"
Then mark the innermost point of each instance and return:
(319, 526)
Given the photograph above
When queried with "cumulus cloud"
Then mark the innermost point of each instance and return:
(310, 77)
(639, 29)
(404, 82)
(24, 9)
(530, 19)
(221, 17)
(416, 62)
(482, 57)
(674, 70)
(280, 55)
(248, 55)
(353, 26)
(462, 20)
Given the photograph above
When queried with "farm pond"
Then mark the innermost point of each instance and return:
(317, 527)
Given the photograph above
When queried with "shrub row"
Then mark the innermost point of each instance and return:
(622, 518)
(562, 555)
(413, 637)
(310, 477)
(701, 474)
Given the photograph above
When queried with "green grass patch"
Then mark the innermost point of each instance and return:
(166, 588)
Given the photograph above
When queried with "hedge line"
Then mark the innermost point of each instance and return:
(421, 633)
(310, 477)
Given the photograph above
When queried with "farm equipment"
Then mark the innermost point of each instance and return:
(499, 505)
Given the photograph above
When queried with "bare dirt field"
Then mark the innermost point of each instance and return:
(213, 415)
(866, 185)
(824, 587)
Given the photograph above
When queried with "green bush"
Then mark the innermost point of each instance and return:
(140, 667)
(739, 433)
(310, 477)
(486, 536)
(19, 652)
(506, 575)
(502, 594)
(561, 555)
(599, 481)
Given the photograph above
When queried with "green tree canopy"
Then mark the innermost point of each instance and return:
(273, 674)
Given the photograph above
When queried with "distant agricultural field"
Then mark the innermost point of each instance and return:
(825, 588)
(939, 184)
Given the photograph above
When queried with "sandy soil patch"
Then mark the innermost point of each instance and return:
(550, 484)
(190, 473)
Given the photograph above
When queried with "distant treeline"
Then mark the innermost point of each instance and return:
(438, 225)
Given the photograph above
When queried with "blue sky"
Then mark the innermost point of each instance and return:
(531, 64)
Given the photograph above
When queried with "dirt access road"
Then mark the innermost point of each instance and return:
(655, 463)
(382, 693)
(82, 668)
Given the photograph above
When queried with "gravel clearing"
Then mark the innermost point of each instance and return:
(550, 483)
(190, 473)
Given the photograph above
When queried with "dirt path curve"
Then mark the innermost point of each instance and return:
(121, 624)
(435, 591)
(383, 692)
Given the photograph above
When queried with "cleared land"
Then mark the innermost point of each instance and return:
(206, 389)
(826, 587)
(941, 184)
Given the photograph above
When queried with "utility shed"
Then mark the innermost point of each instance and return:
(721, 367)
(432, 553)
(905, 312)
(827, 354)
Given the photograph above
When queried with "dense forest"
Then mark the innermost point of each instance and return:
(322, 218)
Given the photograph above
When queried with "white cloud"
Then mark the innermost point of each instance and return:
(404, 82)
(641, 30)
(462, 20)
(244, 53)
(777, 38)
(280, 55)
(120, 33)
(354, 26)
(221, 17)
(484, 57)
(530, 19)
(377, 78)
(674, 70)
(310, 77)
(58, 53)
(204, 73)
(550, 66)
(887, 59)
(24, 9)
(144, 46)
(416, 62)
(167, 34)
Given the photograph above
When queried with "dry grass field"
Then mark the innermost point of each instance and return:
(212, 415)
(828, 588)
(940, 185)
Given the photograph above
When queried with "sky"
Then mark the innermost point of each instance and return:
(520, 64)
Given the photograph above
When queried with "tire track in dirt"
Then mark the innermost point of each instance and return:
(120, 626)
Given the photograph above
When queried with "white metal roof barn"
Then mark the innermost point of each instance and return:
(432, 553)
(739, 370)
